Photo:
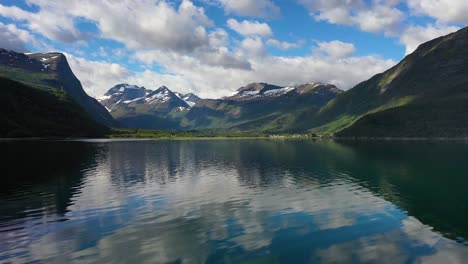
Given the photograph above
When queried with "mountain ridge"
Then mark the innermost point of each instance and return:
(434, 72)
(138, 107)
(51, 70)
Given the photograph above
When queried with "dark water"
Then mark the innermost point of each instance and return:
(233, 201)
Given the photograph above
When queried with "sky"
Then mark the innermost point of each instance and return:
(213, 47)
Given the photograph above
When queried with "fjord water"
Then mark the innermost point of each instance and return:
(233, 201)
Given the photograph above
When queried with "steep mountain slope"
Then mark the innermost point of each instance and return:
(138, 107)
(423, 95)
(27, 111)
(51, 70)
(260, 107)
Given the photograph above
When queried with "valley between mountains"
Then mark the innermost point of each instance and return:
(425, 95)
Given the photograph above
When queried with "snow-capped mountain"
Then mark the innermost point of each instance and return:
(190, 98)
(122, 93)
(259, 91)
(165, 99)
(139, 107)
(132, 96)
(262, 107)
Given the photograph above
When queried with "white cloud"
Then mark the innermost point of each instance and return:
(251, 8)
(443, 10)
(377, 16)
(380, 19)
(250, 28)
(13, 38)
(336, 49)
(186, 74)
(413, 36)
(137, 24)
(50, 23)
(213, 82)
(284, 45)
(387, 17)
(97, 76)
(252, 47)
(335, 12)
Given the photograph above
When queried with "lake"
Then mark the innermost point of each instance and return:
(233, 201)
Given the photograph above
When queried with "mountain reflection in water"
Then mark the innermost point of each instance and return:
(219, 201)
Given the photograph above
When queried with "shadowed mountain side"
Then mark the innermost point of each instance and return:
(51, 70)
(34, 112)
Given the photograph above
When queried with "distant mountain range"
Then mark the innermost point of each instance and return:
(261, 107)
(257, 107)
(425, 95)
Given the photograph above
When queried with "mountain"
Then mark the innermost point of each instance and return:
(190, 98)
(27, 111)
(260, 107)
(51, 71)
(425, 95)
(138, 107)
(122, 93)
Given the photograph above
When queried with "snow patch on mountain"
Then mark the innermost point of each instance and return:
(278, 92)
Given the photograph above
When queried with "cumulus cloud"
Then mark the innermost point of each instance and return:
(442, 10)
(13, 38)
(213, 82)
(380, 19)
(251, 8)
(336, 12)
(48, 22)
(388, 17)
(378, 16)
(186, 74)
(97, 76)
(336, 49)
(250, 28)
(284, 45)
(137, 24)
(252, 47)
(413, 36)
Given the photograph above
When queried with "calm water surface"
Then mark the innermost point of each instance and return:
(233, 201)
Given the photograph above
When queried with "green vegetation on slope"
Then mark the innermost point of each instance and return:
(51, 70)
(151, 133)
(27, 111)
(412, 99)
(444, 118)
(283, 114)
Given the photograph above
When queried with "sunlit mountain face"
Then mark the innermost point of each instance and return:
(212, 200)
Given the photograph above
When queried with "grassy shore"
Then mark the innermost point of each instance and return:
(145, 133)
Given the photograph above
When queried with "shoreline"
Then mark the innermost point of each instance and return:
(221, 137)
(400, 138)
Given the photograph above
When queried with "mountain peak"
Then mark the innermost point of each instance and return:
(124, 88)
(162, 99)
(163, 88)
(51, 70)
(255, 86)
(257, 91)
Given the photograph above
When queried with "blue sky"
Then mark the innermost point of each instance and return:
(212, 47)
